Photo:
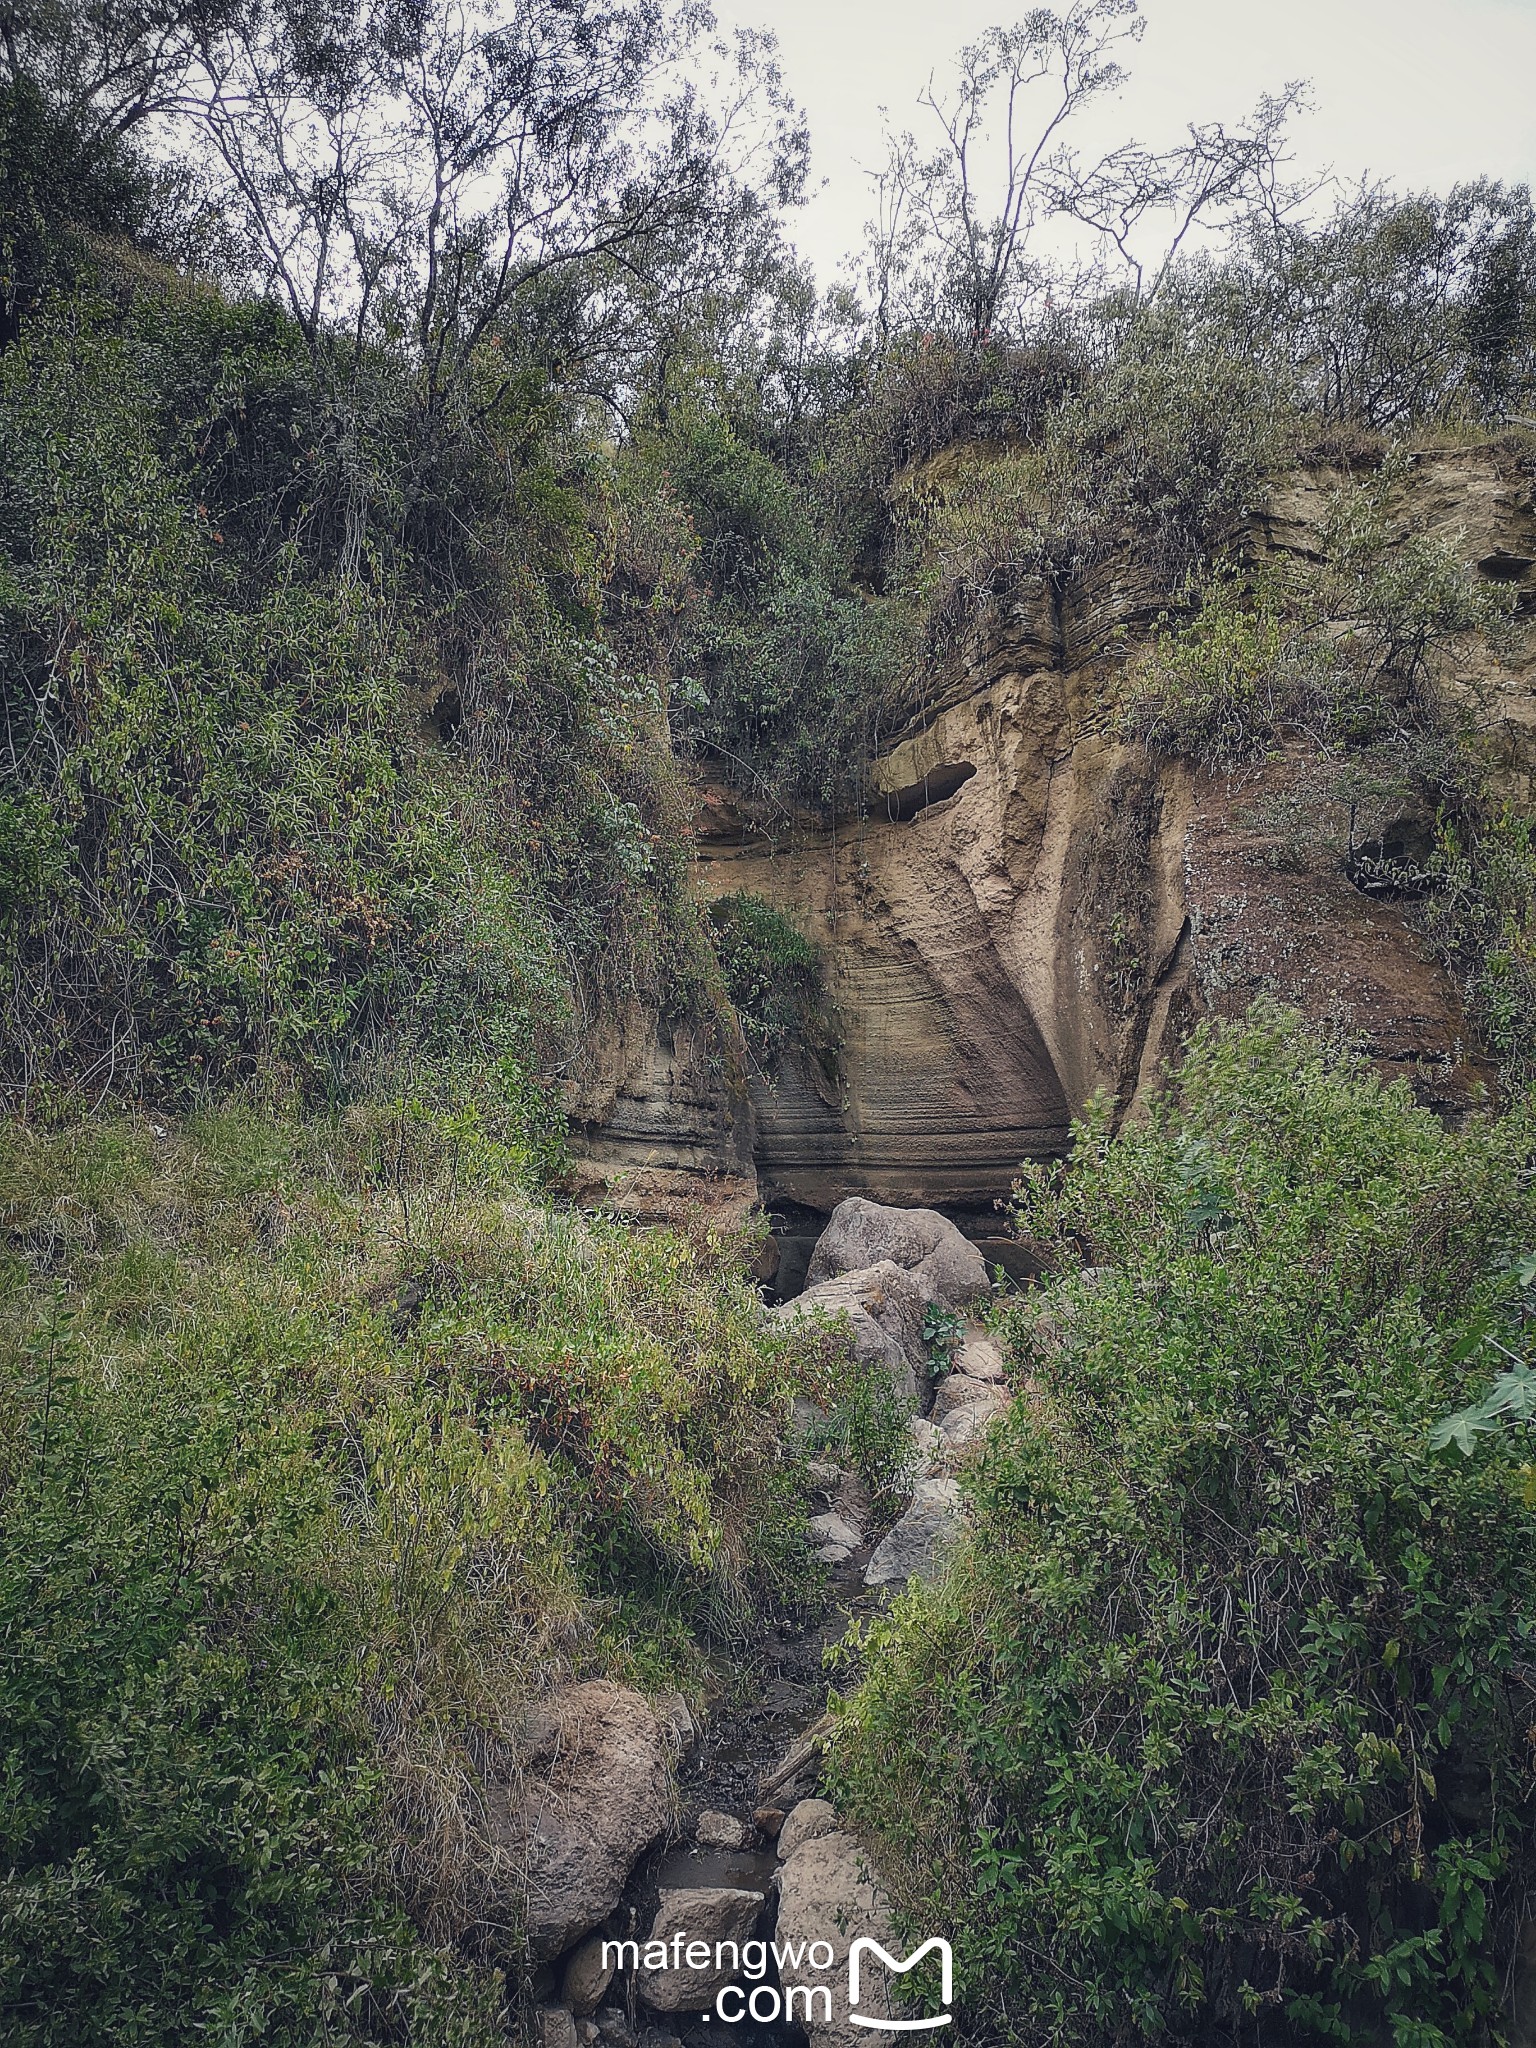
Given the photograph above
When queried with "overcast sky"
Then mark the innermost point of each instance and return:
(1420, 92)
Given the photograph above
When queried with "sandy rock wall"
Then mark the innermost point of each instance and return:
(661, 1123)
(1031, 908)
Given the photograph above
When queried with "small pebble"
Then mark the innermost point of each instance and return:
(719, 1831)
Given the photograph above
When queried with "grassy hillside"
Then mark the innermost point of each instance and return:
(326, 1448)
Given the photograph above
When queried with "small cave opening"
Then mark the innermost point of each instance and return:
(794, 1228)
(900, 805)
(445, 714)
(1394, 865)
(1503, 566)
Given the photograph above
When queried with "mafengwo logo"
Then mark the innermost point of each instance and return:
(933, 1945)
(790, 1999)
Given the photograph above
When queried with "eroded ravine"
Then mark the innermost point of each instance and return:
(747, 1780)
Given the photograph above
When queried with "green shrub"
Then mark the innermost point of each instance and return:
(1480, 915)
(1217, 1730)
(1220, 685)
(294, 813)
(1155, 457)
(191, 1825)
(772, 974)
(786, 669)
(929, 394)
(320, 1448)
(1348, 655)
(864, 1428)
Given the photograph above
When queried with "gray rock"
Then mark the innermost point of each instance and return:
(867, 1342)
(595, 1794)
(808, 1819)
(968, 1419)
(959, 1390)
(827, 1893)
(557, 2028)
(833, 1529)
(677, 1723)
(719, 1831)
(885, 1306)
(915, 1547)
(980, 1359)
(928, 1439)
(863, 1233)
(704, 1915)
(586, 1977)
(614, 2029)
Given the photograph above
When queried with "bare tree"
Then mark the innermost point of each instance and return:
(951, 244)
(1144, 203)
(421, 167)
(442, 176)
(955, 225)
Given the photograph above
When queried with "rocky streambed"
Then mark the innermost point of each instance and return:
(665, 1862)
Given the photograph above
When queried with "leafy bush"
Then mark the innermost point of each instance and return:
(930, 394)
(1222, 684)
(1155, 457)
(943, 1335)
(1168, 450)
(64, 184)
(1216, 1732)
(863, 1426)
(771, 972)
(191, 1824)
(322, 1447)
(1479, 912)
(786, 667)
(1510, 1403)
(278, 837)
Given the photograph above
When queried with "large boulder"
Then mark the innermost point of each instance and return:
(926, 1244)
(719, 1831)
(962, 1426)
(587, 1975)
(827, 1893)
(595, 1794)
(807, 1819)
(915, 1547)
(885, 1306)
(979, 1358)
(704, 1916)
(833, 1537)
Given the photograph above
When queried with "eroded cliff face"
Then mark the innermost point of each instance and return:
(661, 1124)
(1032, 908)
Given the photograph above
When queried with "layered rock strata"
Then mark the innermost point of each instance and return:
(1032, 908)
